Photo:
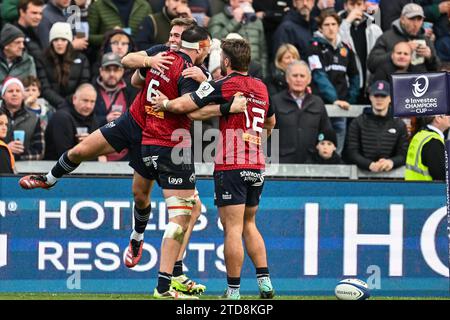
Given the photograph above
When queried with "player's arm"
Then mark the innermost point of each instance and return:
(137, 80)
(188, 104)
(236, 105)
(270, 121)
(141, 59)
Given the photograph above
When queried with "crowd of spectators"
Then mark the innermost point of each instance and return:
(61, 75)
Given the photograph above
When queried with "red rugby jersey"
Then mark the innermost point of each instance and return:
(160, 128)
(239, 146)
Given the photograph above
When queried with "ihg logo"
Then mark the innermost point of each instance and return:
(420, 86)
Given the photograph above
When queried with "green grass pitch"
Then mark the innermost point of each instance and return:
(93, 296)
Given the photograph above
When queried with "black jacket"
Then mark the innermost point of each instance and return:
(32, 42)
(382, 50)
(276, 81)
(51, 90)
(315, 158)
(298, 128)
(294, 30)
(371, 137)
(61, 131)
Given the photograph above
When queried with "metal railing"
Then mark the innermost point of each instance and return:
(311, 171)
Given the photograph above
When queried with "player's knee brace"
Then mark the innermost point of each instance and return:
(178, 206)
(174, 231)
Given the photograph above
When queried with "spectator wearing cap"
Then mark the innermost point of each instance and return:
(31, 144)
(14, 60)
(106, 15)
(408, 28)
(300, 115)
(239, 17)
(325, 152)
(72, 124)
(376, 141)
(62, 68)
(113, 94)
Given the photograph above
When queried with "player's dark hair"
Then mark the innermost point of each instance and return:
(238, 51)
(195, 34)
(23, 4)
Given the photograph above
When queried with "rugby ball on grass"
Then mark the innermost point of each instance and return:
(352, 289)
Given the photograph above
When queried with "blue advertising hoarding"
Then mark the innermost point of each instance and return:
(72, 239)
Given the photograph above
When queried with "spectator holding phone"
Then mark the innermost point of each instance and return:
(407, 28)
(25, 137)
(6, 155)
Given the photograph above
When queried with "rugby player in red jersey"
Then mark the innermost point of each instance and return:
(239, 164)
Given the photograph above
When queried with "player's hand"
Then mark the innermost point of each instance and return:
(239, 103)
(157, 101)
(16, 147)
(342, 104)
(113, 116)
(159, 61)
(194, 73)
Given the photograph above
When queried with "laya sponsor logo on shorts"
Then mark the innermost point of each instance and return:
(175, 181)
(192, 178)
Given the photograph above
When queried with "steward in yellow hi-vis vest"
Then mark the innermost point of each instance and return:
(420, 169)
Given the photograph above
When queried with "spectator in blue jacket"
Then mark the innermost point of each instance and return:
(334, 71)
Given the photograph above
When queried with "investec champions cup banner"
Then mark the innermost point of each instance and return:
(73, 238)
(423, 94)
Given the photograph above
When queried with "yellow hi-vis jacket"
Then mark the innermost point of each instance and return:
(415, 169)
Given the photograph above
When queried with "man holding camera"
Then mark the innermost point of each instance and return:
(359, 30)
(409, 28)
(240, 17)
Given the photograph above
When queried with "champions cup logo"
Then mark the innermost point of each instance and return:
(420, 87)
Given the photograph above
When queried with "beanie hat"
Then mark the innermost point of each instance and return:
(9, 33)
(327, 134)
(9, 81)
(61, 30)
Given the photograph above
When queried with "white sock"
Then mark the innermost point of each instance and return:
(136, 236)
(50, 178)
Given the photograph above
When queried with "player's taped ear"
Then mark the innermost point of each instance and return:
(174, 231)
(178, 206)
